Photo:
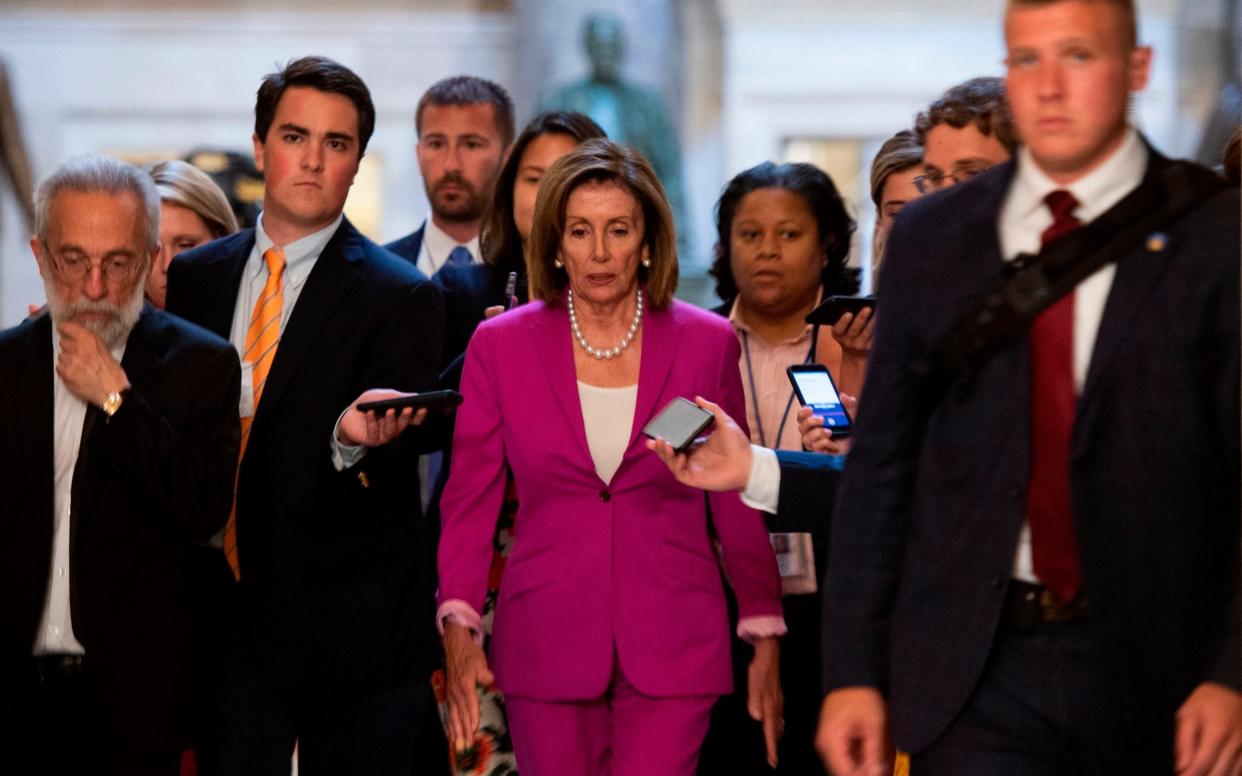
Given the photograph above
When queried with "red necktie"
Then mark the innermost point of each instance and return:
(1048, 509)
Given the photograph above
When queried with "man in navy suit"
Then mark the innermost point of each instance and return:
(1037, 572)
(334, 599)
(464, 125)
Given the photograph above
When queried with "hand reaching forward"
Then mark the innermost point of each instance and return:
(720, 462)
(818, 439)
(374, 429)
(853, 333)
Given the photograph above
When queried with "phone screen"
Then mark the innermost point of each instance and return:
(816, 390)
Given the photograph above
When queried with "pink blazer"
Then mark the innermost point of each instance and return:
(596, 567)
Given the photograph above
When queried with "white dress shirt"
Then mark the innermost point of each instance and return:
(300, 258)
(55, 634)
(432, 255)
(1024, 217)
(437, 245)
(603, 411)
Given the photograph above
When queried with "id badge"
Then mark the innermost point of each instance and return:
(245, 404)
(795, 559)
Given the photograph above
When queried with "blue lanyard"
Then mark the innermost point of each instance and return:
(754, 394)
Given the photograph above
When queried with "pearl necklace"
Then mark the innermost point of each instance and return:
(607, 352)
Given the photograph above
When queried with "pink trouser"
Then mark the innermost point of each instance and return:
(624, 733)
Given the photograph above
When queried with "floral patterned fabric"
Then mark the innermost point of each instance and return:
(491, 754)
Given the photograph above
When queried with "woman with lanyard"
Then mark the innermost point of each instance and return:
(783, 238)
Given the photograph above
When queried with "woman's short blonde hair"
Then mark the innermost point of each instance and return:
(598, 161)
(181, 183)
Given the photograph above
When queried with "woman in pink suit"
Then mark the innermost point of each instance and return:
(611, 638)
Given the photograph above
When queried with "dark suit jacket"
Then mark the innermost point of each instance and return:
(468, 291)
(932, 500)
(335, 572)
(408, 247)
(807, 496)
(148, 482)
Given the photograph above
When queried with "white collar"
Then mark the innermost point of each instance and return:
(439, 244)
(1096, 192)
(300, 255)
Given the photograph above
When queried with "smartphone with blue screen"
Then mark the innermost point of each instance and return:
(815, 389)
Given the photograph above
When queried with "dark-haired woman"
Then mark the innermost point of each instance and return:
(783, 238)
(471, 289)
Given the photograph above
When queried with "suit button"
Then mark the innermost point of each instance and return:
(1016, 492)
(997, 582)
(605, 496)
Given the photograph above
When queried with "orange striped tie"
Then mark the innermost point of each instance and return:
(261, 340)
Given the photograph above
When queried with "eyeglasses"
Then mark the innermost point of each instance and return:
(933, 179)
(115, 269)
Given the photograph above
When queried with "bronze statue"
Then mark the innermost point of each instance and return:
(627, 112)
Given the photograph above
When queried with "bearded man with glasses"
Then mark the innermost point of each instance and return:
(121, 433)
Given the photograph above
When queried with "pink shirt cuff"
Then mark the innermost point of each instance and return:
(756, 627)
(458, 611)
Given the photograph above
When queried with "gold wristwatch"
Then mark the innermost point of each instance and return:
(112, 403)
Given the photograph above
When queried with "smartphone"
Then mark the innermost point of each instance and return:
(443, 400)
(832, 308)
(816, 390)
(511, 291)
(679, 423)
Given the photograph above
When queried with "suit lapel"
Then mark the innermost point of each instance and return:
(219, 283)
(334, 274)
(660, 340)
(142, 360)
(32, 389)
(1137, 277)
(552, 347)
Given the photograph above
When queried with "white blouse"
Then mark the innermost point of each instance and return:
(608, 415)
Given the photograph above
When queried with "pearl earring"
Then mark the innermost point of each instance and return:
(647, 263)
(558, 263)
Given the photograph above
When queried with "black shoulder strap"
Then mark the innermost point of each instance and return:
(1030, 284)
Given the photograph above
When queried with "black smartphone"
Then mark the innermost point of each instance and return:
(832, 308)
(816, 390)
(511, 291)
(443, 400)
(679, 423)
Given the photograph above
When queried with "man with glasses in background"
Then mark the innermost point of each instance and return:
(121, 439)
(966, 131)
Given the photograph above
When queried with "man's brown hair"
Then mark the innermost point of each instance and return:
(603, 161)
(321, 74)
(462, 90)
(979, 101)
(1129, 19)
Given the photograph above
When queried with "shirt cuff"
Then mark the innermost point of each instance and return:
(760, 626)
(343, 455)
(458, 611)
(763, 488)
